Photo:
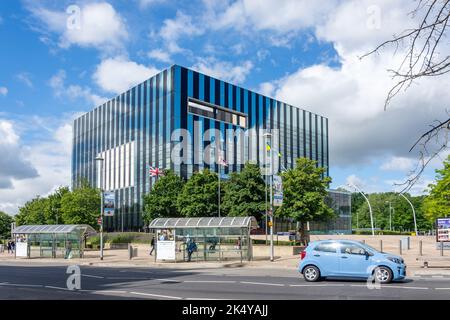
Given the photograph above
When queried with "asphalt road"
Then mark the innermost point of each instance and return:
(37, 281)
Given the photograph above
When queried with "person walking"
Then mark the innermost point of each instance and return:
(153, 245)
(9, 246)
(191, 247)
(13, 246)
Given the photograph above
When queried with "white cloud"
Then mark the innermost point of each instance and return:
(356, 181)
(97, 25)
(50, 156)
(25, 78)
(160, 55)
(398, 164)
(235, 73)
(3, 91)
(14, 164)
(57, 82)
(119, 74)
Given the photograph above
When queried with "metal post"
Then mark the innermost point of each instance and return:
(271, 208)
(370, 207)
(390, 216)
(413, 210)
(400, 247)
(219, 187)
(381, 245)
(442, 248)
(409, 243)
(420, 247)
(265, 179)
(100, 161)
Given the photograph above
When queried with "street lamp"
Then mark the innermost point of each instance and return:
(99, 161)
(268, 136)
(370, 207)
(413, 210)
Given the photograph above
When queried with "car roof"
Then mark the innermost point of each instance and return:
(334, 240)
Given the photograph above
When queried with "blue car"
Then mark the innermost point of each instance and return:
(347, 258)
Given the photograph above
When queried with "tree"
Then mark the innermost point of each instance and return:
(426, 56)
(81, 206)
(32, 212)
(357, 201)
(437, 204)
(161, 201)
(52, 213)
(5, 225)
(304, 192)
(199, 196)
(244, 193)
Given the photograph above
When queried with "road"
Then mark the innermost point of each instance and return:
(37, 281)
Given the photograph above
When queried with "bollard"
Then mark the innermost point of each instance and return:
(409, 243)
(400, 247)
(381, 245)
(442, 248)
(130, 251)
(420, 247)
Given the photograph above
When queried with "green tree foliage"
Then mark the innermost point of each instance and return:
(52, 211)
(162, 200)
(402, 216)
(32, 212)
(5, 225)
(199, 196)
(357, 201)
(437, 204)
(304, 192)
(81, 206)
(244, 193)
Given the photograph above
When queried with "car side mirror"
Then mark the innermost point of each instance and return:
(367, 254)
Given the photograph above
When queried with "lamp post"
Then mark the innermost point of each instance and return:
(413, 210)
(268, 136)
(370, 207)
(99, 161)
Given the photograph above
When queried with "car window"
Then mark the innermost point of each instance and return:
(351, 248)
(326, 247)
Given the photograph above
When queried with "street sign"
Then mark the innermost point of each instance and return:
(277, 190)
(109, 202)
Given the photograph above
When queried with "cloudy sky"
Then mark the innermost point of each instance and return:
(62, 58)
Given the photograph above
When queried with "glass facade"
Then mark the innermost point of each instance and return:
(139, 129)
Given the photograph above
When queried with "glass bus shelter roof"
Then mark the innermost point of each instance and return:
(204, 222)
(53, 228)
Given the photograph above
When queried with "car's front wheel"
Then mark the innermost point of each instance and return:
(383, 274)
(311, 273)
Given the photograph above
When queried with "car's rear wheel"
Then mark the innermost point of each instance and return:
(311, 273)
(383, 274)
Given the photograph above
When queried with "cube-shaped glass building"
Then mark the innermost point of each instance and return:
(186, 121)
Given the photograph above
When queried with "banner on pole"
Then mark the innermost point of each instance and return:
(109, 202)
(277, 190)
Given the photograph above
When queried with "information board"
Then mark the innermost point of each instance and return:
(443, 229)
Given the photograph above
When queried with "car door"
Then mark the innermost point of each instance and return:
(327, 256)
(353, 261)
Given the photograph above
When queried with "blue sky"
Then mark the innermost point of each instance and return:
(300, 52)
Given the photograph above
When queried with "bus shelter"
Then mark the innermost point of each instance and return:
(214, 239)
(51, 241)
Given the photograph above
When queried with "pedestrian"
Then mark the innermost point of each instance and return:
(238, 244)
(68, 251)
(191, 247)
(13, 246)
(153, 245)
(9, 246)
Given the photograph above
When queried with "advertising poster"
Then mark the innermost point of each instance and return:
(443, 229)
(109, 202)
(165, 245)
(277, 190)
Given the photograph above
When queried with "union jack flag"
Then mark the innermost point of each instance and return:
(223, 162)
(155, 172)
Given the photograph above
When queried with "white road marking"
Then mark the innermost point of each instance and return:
(59, 288)
(92, 276)
(110, 291)
(317, 285)
(21, 285)
(400, 287)
(263, 283)
(169, 280)
(126, 278)
(155, 295)
(442, 288)
(209, 281)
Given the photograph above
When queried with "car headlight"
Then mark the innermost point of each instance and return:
(395, 260)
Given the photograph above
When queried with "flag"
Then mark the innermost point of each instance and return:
(267, 147)
(223, 162)
(155, 172)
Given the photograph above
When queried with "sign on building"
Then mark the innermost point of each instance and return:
(109, 202)
(277, 190)
(443, 229)
(165, 244)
